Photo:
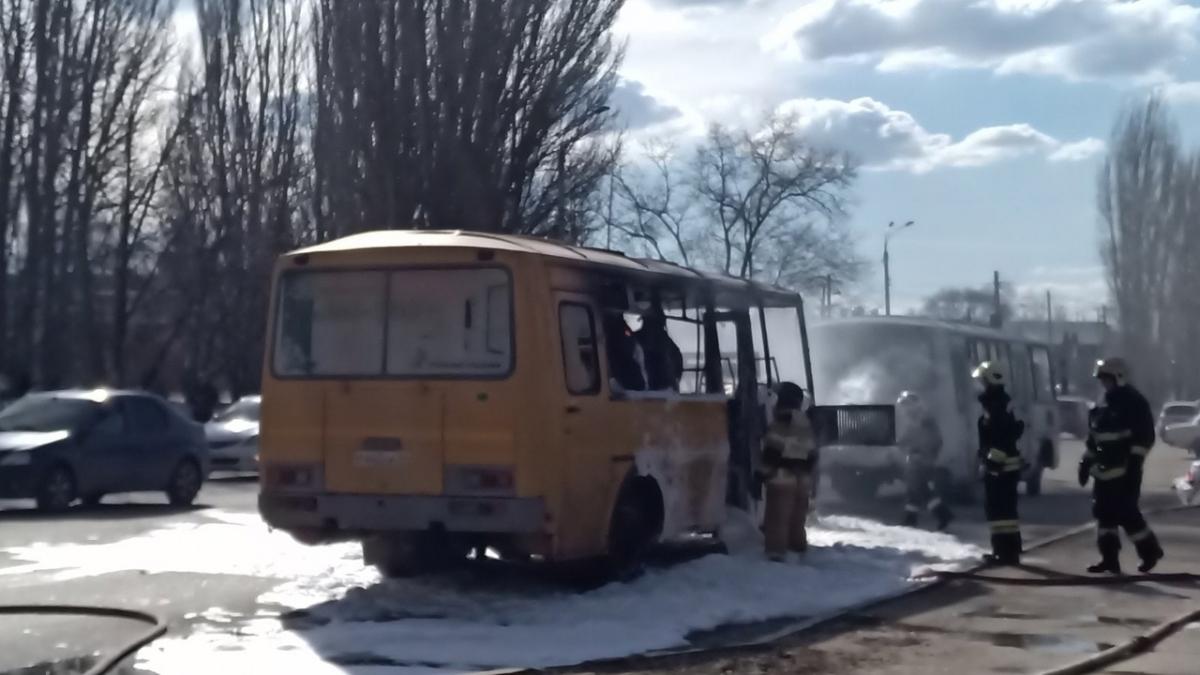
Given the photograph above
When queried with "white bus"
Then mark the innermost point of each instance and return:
(870, 360)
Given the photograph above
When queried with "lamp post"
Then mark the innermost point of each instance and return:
(887, 269)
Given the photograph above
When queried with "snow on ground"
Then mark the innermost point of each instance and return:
(356, 622)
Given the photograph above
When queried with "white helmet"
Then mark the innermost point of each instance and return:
(908, 398)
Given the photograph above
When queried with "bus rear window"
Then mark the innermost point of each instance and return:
(449, 322)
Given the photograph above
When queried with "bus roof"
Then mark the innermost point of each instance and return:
(934, 324)
(727, 288)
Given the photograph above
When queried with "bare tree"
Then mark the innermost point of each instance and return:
(656, 206)
(479, 114)
(768, 189)
(969, 305)
(1139, 231)
(759, 204)
(236, 195)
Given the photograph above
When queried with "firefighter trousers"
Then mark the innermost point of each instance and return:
(786, 512)
(1134, 471)
(1000, 506)
(925, 488)
(1114, 505)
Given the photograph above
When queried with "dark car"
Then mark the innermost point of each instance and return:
(57, 447)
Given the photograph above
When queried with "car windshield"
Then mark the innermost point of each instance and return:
(245, 409)
(47, 413)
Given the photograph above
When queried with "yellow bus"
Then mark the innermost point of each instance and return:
(430, 393)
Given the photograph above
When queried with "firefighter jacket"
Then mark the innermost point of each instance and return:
(999, 431)
(789, 443)
(921, 440)
(1109, 444)
(1131, 410)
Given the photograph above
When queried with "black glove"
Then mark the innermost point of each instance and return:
(1085, 470)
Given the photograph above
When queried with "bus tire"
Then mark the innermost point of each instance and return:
(397, 556)
(856, 486)
(635, 525)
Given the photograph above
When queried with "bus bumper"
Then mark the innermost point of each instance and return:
(341, 514)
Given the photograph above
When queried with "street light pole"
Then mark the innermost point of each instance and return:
(887, 265)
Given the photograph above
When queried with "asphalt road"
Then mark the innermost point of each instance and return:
(183, 596)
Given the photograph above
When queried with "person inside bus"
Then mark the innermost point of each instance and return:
(663, 360)
(624, 362)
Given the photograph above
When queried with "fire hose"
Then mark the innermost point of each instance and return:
(1122, 652)
(158, 627)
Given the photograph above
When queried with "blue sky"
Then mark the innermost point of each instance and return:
(983, 120)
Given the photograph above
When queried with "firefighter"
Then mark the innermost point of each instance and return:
(1001, 463)
(788, 456)
(1111, 449)
(922, 442)
(1134, 409)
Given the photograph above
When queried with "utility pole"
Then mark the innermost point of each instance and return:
(997, 320)
(827, 297)
(887, 267)
(1049, 320)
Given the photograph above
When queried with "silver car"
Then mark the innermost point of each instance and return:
(233, 436)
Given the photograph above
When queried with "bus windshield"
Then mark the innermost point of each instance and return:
(871, 363)
(445, 322)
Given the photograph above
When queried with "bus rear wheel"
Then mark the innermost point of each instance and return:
(397, 556)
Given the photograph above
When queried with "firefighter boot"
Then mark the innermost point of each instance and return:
(1109, 544)
(1149, 550)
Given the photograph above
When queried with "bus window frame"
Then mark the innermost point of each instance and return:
(277, 309)
(597, 384)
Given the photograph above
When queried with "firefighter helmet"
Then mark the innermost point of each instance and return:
(989, 374)
(1114, 367)
(908, 399)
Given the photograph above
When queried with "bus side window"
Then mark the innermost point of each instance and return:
(1042, 386)
(580, 361)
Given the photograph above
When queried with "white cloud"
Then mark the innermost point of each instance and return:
(888, 139)
(1079, 150)
(1182, 93)
(1087, 39)
(1080, 288)
(637, 108)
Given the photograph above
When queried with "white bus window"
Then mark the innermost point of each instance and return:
(1021, 370)
(330, 324)
(449, 322)
(580, 361)
(688, 335)
(1042, 382)
(785, 344)
(873, 362)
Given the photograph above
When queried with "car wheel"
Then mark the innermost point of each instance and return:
(184, 483)
(56, 491)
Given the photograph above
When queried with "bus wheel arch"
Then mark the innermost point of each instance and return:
(637, 517)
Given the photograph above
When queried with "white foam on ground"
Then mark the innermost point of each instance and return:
(433, 624)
